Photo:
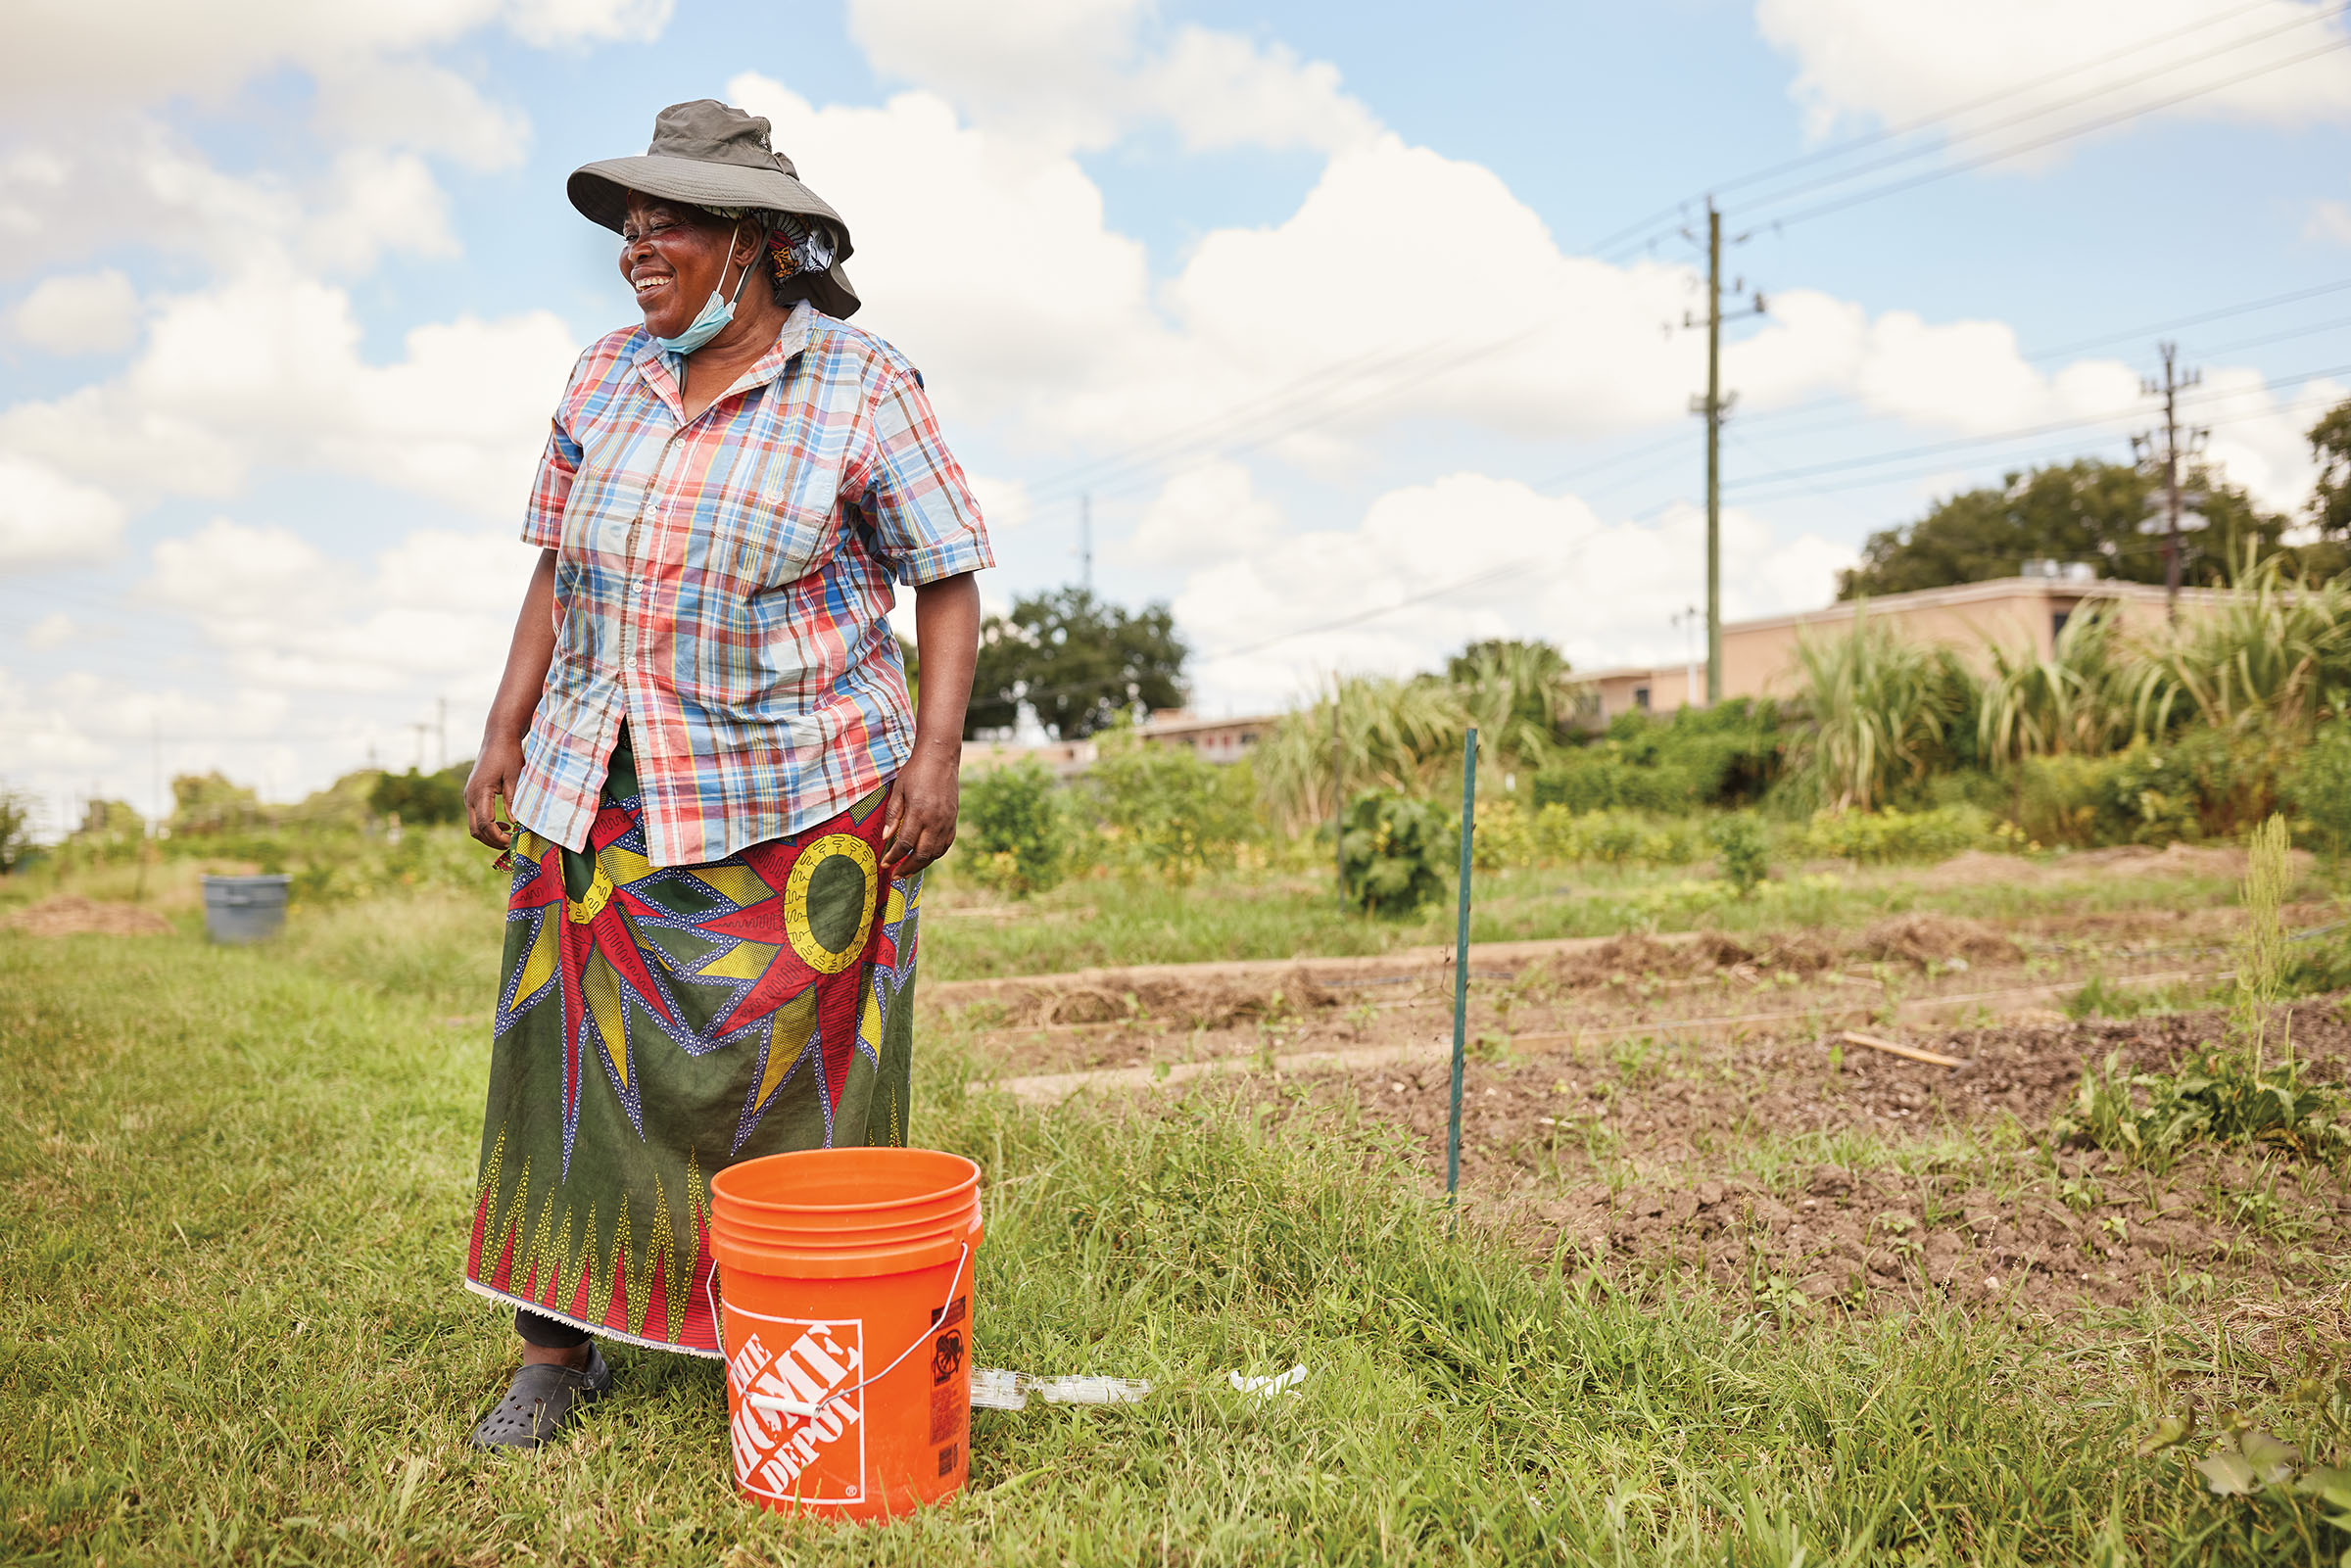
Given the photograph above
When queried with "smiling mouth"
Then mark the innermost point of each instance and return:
(646, 286)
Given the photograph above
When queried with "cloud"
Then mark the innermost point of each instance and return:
(1207, 514)
(265, 371)
(417, 105)
(144, 52)
(1513, 562)
(2329, 222)
(1073, 73)
(53, 629)
(47, 519)
(1893, 62)
(92, 313)
(146, 186)
(437, 607)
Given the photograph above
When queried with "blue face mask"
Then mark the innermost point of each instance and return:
(717, 311)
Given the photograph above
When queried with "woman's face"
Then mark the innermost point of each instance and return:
(672, 255)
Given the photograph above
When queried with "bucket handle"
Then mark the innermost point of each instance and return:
(807, 1411)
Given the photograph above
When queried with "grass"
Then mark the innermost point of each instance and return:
(235, 1187)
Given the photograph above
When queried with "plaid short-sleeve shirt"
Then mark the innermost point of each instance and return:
(721, 583)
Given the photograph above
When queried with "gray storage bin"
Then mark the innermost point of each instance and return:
(244, 909)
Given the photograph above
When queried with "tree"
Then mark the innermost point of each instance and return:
(421, 798)
(2330, 500)
(16, 828)
(2084, 510)
(1076, 662)
(207, 803)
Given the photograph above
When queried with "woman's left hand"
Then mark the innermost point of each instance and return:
(921, 823)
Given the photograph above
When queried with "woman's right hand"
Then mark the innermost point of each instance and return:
(495, 772)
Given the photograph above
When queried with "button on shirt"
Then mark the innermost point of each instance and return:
(722, 583)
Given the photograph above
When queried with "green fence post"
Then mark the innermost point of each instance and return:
(1461, 966)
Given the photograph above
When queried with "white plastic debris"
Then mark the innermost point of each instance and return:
(996, 1387)
(1271, 1384)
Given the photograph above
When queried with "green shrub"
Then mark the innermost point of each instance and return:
(1394, 852)
(2320, 786)
(1013, 832)
(1727, 754)
(420, 797)
(1891, 835)
(1739, 855)
(2200, 784)
(1166, 809)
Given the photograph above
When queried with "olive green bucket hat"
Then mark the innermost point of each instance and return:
(713, 155)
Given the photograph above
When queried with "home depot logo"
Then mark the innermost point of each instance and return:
(814, 1459)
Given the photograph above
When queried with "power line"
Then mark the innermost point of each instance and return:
(1671, 215)
(1912, 182)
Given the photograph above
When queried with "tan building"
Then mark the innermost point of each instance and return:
(1759, 657)
(1217, 739)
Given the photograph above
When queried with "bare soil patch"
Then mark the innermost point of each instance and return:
(82, 917)
(1975, 867)
(1710, 1160)
(1899, 970)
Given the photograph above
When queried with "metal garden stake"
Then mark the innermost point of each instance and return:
(1461, 966)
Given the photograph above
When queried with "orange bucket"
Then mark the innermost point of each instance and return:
(846, 1316)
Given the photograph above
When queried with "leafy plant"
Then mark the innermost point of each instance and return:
(2214, 1094)
(1393, 852)
(2077, 700)
(2276, 648)
(1885, 711)
(1173, 810)
(1893, 834)
(1742, 856)
(1014, 828)
(2320, 784)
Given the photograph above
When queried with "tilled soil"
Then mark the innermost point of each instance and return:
(1054, 1024)
(1708, 1158)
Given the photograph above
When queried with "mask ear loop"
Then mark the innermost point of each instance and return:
(732, 299)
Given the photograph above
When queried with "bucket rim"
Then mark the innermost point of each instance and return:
(966, 1178)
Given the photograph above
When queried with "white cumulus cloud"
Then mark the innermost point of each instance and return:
(1897, 63)
(90, 313)
(47, 519)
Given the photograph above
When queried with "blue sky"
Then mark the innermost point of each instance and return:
(1304, 296)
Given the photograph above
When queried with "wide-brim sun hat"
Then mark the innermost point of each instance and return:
(713, 155)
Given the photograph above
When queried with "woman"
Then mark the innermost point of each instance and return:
(722, 797)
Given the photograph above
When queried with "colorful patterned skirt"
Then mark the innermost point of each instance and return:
(657, 1024)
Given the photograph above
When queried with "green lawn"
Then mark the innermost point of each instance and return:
(236, 1186)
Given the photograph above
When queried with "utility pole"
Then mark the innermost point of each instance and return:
(155, 741)
(2174, 382)
(1085, 542)
(441, 727)
(1716, 405)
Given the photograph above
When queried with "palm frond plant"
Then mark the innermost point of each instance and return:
(1389, 735)
(2077, 701)
(1885, 711)
(2274, 651)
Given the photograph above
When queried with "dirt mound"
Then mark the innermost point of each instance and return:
(1193, 1004)
(1924, 939)
(82, 917)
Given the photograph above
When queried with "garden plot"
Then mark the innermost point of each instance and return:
(1799, 1171)
(1039, 1035)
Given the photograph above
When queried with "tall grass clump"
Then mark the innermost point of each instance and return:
(2277, 650)
(2078, 701)
(1884, 712)
(1403, 737)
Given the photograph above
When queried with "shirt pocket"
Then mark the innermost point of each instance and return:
(751, 659)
